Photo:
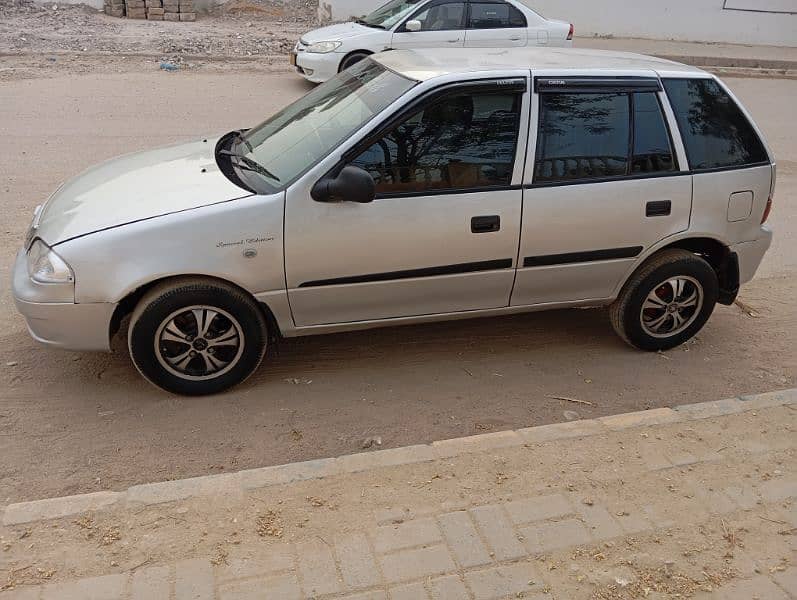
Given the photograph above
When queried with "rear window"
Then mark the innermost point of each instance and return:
(585, 136)
(495, 16)
(715, 132)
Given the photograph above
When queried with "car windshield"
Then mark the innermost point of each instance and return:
(277, 152)
(391, 13)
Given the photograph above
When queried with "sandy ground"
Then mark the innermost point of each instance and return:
(702, 546)
(73, 423)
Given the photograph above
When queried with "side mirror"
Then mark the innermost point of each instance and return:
(352, 184)
(413, 25)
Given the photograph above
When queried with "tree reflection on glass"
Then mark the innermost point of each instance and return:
(462, 141)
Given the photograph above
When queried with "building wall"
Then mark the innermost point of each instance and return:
(765, 22)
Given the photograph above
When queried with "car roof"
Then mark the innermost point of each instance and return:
(423, 64)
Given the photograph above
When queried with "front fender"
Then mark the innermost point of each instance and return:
(239, 241)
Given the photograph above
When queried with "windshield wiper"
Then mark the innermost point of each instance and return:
(367, 24)
(247, 164)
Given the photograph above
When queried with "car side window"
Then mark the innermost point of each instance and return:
(458, 142)
(652, 152)
(442, 17)
(582, 136)
(715, 131)
(495, 15)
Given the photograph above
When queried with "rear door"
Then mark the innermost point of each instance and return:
(604, 185)
(495, 24)
(442, 26)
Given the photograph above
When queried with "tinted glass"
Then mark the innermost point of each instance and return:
(391, 13)
(715, 132)
(300, 135)
(458, 142)
(652, 149)
(582, 136)
(494, 16)
(442, 17)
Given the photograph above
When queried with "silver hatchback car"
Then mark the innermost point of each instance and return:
(414, 186)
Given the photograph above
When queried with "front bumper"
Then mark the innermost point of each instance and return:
(751, 254)
(317, 67)
(55, 321)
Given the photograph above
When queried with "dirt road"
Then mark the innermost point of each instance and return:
(74, 423)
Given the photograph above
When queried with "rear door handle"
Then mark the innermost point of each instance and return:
(485, 224)
(658, 208)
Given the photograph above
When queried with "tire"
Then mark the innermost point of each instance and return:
(351, 59)
(220, 324)
(655, 310)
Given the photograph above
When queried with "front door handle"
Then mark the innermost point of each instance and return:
(485, 224)
(456, 41)
(658, 208)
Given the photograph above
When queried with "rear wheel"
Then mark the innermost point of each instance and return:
(352, 59)
(195, 336)
(666, 302)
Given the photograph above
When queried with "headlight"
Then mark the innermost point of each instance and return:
(323, 47)
(45, 266)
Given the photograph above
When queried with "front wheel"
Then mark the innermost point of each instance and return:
(195, 336)
(666, 302)
(352, 59)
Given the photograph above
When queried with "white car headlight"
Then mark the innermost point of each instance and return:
(323, 47)
(45, 266)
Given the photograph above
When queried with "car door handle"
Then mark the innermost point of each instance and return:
(658, 208)
(485, 224)
(515, 39)
(454, 41)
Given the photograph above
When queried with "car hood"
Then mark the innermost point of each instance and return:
(136, 187)
(338, 32)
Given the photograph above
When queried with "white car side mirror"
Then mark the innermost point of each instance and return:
(413, 25)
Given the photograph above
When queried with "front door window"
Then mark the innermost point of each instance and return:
(442, 17)
(460, 141)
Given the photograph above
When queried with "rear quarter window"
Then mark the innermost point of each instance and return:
(715, 131)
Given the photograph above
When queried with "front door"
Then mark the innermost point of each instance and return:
(441, 235)
(442, 26)
(605, 185)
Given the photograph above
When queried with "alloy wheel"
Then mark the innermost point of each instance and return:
(199, 342)
(672, 306)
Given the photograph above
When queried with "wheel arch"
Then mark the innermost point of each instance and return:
(128, 303)
(715, 252)
(362, 51)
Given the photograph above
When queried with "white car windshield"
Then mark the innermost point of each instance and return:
(391, 13)
(280, 150)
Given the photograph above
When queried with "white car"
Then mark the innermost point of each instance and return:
(401, 24)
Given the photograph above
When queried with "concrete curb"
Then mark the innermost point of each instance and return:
(732, 62)
(239, 483)
(776, 68)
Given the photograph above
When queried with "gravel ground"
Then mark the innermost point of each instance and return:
(238, 28)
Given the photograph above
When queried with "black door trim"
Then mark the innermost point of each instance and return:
(579, 257)
(471, 267)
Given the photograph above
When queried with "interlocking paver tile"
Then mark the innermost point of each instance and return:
(539, 508)
(498, 531)
(419, 562)
(463, 539)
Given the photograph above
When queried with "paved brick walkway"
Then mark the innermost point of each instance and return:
(693, 502)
